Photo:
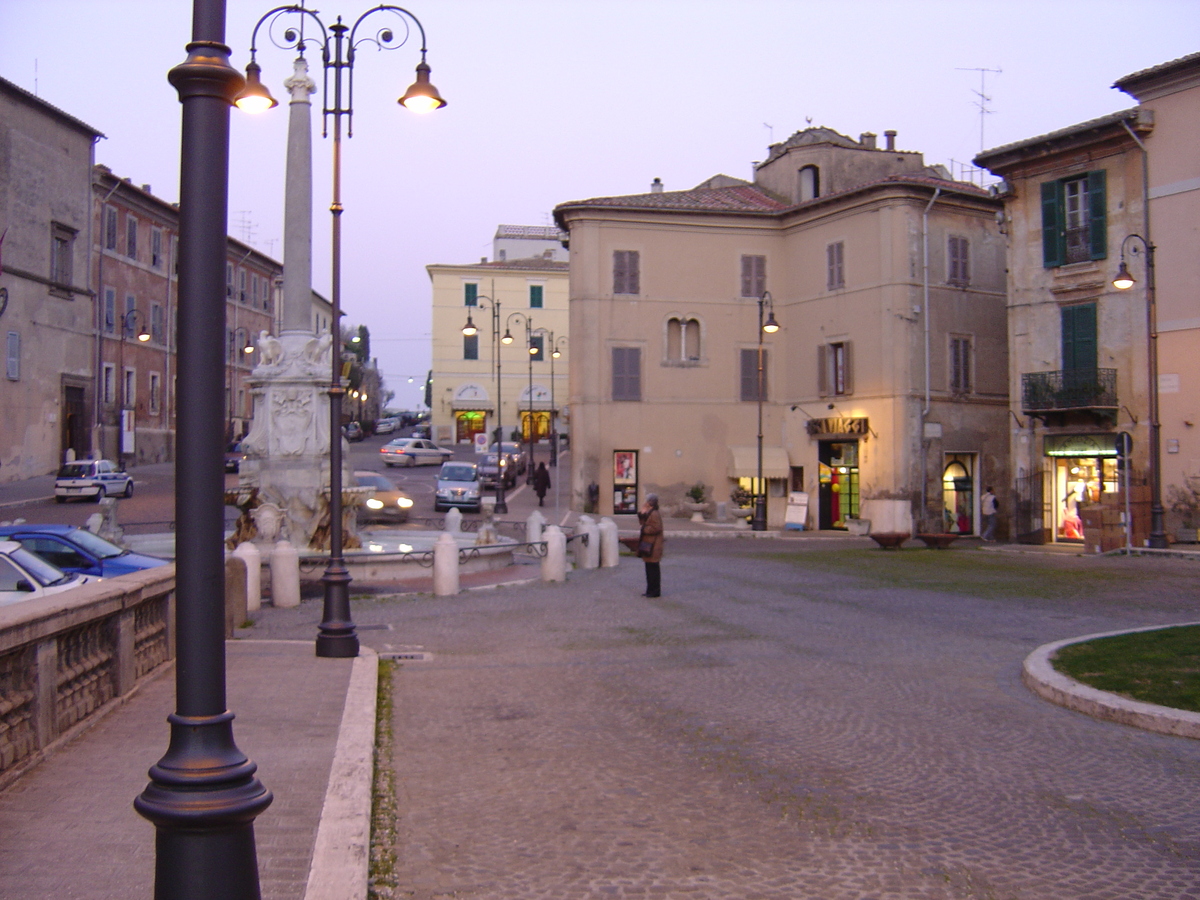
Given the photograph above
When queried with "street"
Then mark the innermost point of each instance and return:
(793, 719)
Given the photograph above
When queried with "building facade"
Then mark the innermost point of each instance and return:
(881, 394)
(481, 382)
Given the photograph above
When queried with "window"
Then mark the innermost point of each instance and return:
(535, 296)
(242, 285)
(155, 391)
(129, 388)
(110, 310)
(751, 389)
(834, 372)
(537, 346)
(754, 276)
(131, 237)
(683, 340)
(470, 294)
(108, 377)
(958, 266)
(835, 262)
(157, 324)
(156, 248)
(960, 364)
(229, 279)
(12, 356)
(1074, 219)
(626, 373)
(1079, 339)
(810, 184)
(62, 250)
(471, 346)
(110, 229)
(254, 291)
(626, 274)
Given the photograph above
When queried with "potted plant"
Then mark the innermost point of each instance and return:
(1185, 502)
(697, 506)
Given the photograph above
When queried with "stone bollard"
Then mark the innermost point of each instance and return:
(249, 552)
(285, 576)
(722, 511)
(454, 521)
(533, 527)
(235, 593)
(610, 547)
(445, 565)
(554, 563)
(581, 527)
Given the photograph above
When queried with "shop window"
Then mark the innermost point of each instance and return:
(958, 496)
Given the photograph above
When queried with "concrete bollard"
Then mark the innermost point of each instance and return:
(285, 576)
(610, 548)
(577, 548)
(533, 527)
(445, 565)
(554, 563)
(454, 521)
(235, 593)
(249, 552)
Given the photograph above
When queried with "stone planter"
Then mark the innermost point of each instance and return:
(889, 516)
(890, 540)
(858, 526)
(696, 509)
(938, 541)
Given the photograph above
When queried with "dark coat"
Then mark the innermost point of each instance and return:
(541, 480)
(652, 530)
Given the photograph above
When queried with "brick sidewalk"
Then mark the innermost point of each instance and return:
(69, 828)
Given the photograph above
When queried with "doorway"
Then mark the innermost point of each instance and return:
(958, 494)
(837, 477)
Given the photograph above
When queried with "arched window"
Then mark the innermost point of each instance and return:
(683, 340)
(810, 184)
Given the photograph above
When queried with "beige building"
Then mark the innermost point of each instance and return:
(884, 393)
(1075, 208)
(480, 383)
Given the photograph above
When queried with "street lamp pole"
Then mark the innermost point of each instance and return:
(127, 402)
(1123, 282)
(555, 353)
(760, 490)
(470, 330)
(508, 339)
(232, 360)
(203, 795)
(336, 635)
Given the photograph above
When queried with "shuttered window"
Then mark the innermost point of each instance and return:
(958, 264)
(626, 373)
(750, 382)
(470, 295)
(626, 275)
(535, 296)
(1074, 219)
(960, 365)
(471, 346)
(1079, 340)
(835, 265)
(835, 375)
(754, 276)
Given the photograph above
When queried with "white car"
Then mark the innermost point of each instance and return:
(386, 426)
(413, 452)
(93, 479)
(25, 575)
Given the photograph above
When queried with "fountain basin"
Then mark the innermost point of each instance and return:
(389, 554)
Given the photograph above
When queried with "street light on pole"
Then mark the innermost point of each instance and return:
(127, 394)
(555, 353)
(760, 488)
(231, 356)
(1123, 282)
(470, 330)
(508, 339)
(336, 634)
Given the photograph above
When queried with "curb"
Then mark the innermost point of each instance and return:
(1040, 677)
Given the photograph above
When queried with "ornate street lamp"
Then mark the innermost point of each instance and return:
(508, 339)
(760, 492)
(470, 330)
(1123, 282)
(338, 44)
(127, 402)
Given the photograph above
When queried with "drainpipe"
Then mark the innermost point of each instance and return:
(925, 316)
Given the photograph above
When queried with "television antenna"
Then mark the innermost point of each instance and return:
(984, 99)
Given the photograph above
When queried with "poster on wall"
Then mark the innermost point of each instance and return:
(625, 481)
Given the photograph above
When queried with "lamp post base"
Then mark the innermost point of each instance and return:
(336, 636)
(759, 522)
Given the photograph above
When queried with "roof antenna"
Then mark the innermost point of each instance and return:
(770, 133)
(983, 100)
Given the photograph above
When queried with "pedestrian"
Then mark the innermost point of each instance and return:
(541, 483)
(650, 544)
(988, 508)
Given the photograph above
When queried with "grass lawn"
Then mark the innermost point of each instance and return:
(1161, 666)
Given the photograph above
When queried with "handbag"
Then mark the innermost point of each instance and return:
(645, 548)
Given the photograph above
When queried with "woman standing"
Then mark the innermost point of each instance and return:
(541, 483)
(650, 544)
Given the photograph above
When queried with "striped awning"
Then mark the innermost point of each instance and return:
(744, 464)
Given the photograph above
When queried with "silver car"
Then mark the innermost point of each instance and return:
(26, 576)
(458, 485)
(413, 452)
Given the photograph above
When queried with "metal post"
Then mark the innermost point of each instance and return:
(760, 500)
(553, 408)
(532, 421)
(501, 502)
(1158, 534)
(203, 795)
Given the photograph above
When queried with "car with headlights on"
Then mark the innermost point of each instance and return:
(516, 452)
(413, 452)
(26, 576)
(385, 502)
(91, 479)
(491, 465)
(458, 485)
(74, 549)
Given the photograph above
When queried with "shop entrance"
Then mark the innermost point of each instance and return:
(958, 494)
(837, 477)
(1079, 481)
(468, 424)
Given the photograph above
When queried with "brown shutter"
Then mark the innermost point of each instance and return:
(823, 370)
(848, 381)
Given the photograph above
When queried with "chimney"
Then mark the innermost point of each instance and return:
(146, 188)
(482, 259)
(891, 139)
(656, 186)
(867, 139)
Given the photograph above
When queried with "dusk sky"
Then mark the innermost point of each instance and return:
(557, 100)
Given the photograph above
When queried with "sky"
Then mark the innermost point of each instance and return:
(558, 100)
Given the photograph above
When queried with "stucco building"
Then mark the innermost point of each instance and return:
(885, 390)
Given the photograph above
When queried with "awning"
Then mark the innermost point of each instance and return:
(471, 406)
(745, 462)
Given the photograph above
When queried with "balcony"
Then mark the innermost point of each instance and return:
(1069, 390)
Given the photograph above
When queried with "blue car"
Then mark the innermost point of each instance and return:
(75, 549)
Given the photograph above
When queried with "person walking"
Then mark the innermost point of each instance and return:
(650, 544)
(541, 483)
(988, 508)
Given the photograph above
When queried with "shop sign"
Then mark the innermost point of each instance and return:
(840, 426)
(1083, 445)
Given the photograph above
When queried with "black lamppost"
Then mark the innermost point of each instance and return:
(231, 356)
(508, 339)
(1123, 282)
(336, 635)
(470, 330)
(203, 796)
(760, 491)
(555, 353)
(128, 398)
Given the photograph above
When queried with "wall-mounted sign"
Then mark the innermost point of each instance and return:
(841, 425)
(1084, 445)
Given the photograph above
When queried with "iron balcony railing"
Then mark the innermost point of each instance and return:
(1069, 389)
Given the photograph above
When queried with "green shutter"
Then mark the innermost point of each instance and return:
(1079, 339)
(1054, 237)
(535, 296)
(1098, 214)
(471, 294)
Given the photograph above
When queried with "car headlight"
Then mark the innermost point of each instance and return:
(404, 503)
(372, 503)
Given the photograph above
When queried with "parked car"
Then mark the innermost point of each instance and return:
(26, 576)
(353, 431)
(421, 431)
(458, 485)
(234, 454)
(490, 465)
(78, 550)
(93, 479)
(516, 452)
(413, 452)
(386, 425)
(385, 503)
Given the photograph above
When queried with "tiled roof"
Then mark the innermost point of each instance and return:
(740, 198)
(537, 263)
(1072, 131)
(1155, 71)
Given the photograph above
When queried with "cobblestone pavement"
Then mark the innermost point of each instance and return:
(785, 722)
